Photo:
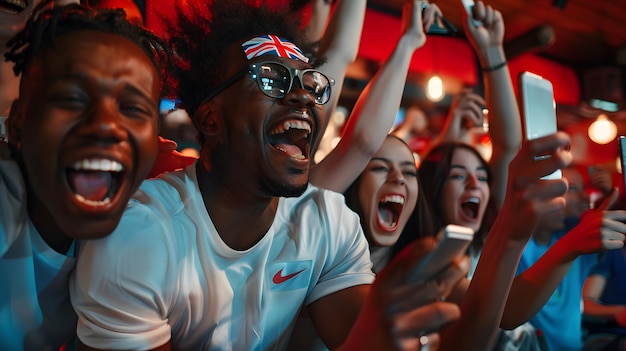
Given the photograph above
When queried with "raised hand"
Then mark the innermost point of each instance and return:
(528, 197)
(600, 178)
(465, 113)
(599, 229)
(417, 17)
(490, 34)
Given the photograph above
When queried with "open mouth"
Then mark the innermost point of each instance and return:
(95, 181)
(470, 207)
(292, 137)
(13, 6)
(389, 209)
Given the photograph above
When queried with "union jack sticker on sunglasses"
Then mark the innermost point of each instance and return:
(272, 45)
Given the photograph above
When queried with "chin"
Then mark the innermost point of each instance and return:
(283, 190)
(91, 229)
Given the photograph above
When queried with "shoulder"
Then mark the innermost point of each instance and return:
(168, 190)
(325, 199)
(319, 205)
(13, 214)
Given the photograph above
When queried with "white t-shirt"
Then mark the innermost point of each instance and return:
(165, 273)
(35, 312)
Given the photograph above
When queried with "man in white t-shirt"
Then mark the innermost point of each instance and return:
(81, 138)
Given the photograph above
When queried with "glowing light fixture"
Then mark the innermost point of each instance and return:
(434, 90)
(602, 130)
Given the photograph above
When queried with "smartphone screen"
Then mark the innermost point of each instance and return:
(453, 242)
(538, 110)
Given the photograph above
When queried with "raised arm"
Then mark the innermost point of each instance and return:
(505, 127)
(339, 45)
(320, 11)
(374, 112)
(465, 113)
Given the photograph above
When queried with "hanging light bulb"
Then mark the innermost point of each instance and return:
(602, 130)
(434, 90)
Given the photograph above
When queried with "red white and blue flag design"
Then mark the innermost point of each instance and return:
(272, 45)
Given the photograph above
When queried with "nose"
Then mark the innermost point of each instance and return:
(297, 95)
(472, 180)
(396, 176)
(103, 122)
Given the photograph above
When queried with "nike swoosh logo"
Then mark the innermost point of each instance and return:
(279, 278)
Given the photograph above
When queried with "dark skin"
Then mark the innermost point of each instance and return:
(239, 131)
(95, 97)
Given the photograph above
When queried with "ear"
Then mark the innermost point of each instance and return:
(15, 125)
(208, 120)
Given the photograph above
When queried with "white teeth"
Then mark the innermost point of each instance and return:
(98, 165)
(473, 200)
(292, 124)
(91, 202)
(397, 199)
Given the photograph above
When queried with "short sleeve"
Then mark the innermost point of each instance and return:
(349, 264)
(122, 286)
(603, 266)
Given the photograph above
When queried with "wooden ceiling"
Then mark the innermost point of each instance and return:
(587, 33)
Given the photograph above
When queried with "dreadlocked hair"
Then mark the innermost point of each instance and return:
(204, 31)
(49, 21)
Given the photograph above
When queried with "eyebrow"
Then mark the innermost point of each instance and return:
(480, 168)
(129, 87)
(386, 160)
(82, 77)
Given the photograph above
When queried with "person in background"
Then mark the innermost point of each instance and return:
(604, 297)
(558, 258)
(82, 136)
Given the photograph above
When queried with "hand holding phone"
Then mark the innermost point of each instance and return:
(453, 242)
(469, 8)
(538, 110)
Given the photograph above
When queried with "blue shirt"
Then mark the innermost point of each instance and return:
(561, 317)
(613, 268)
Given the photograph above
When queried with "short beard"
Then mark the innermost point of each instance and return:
(274, 188)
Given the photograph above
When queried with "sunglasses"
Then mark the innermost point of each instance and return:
(276, 80)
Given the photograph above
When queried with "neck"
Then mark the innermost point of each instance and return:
(50, 232)
(240, 217)
(9, 86)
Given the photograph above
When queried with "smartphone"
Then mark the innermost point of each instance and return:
(622, 158)
(469, 6)
(538, 110)
(453, 242)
